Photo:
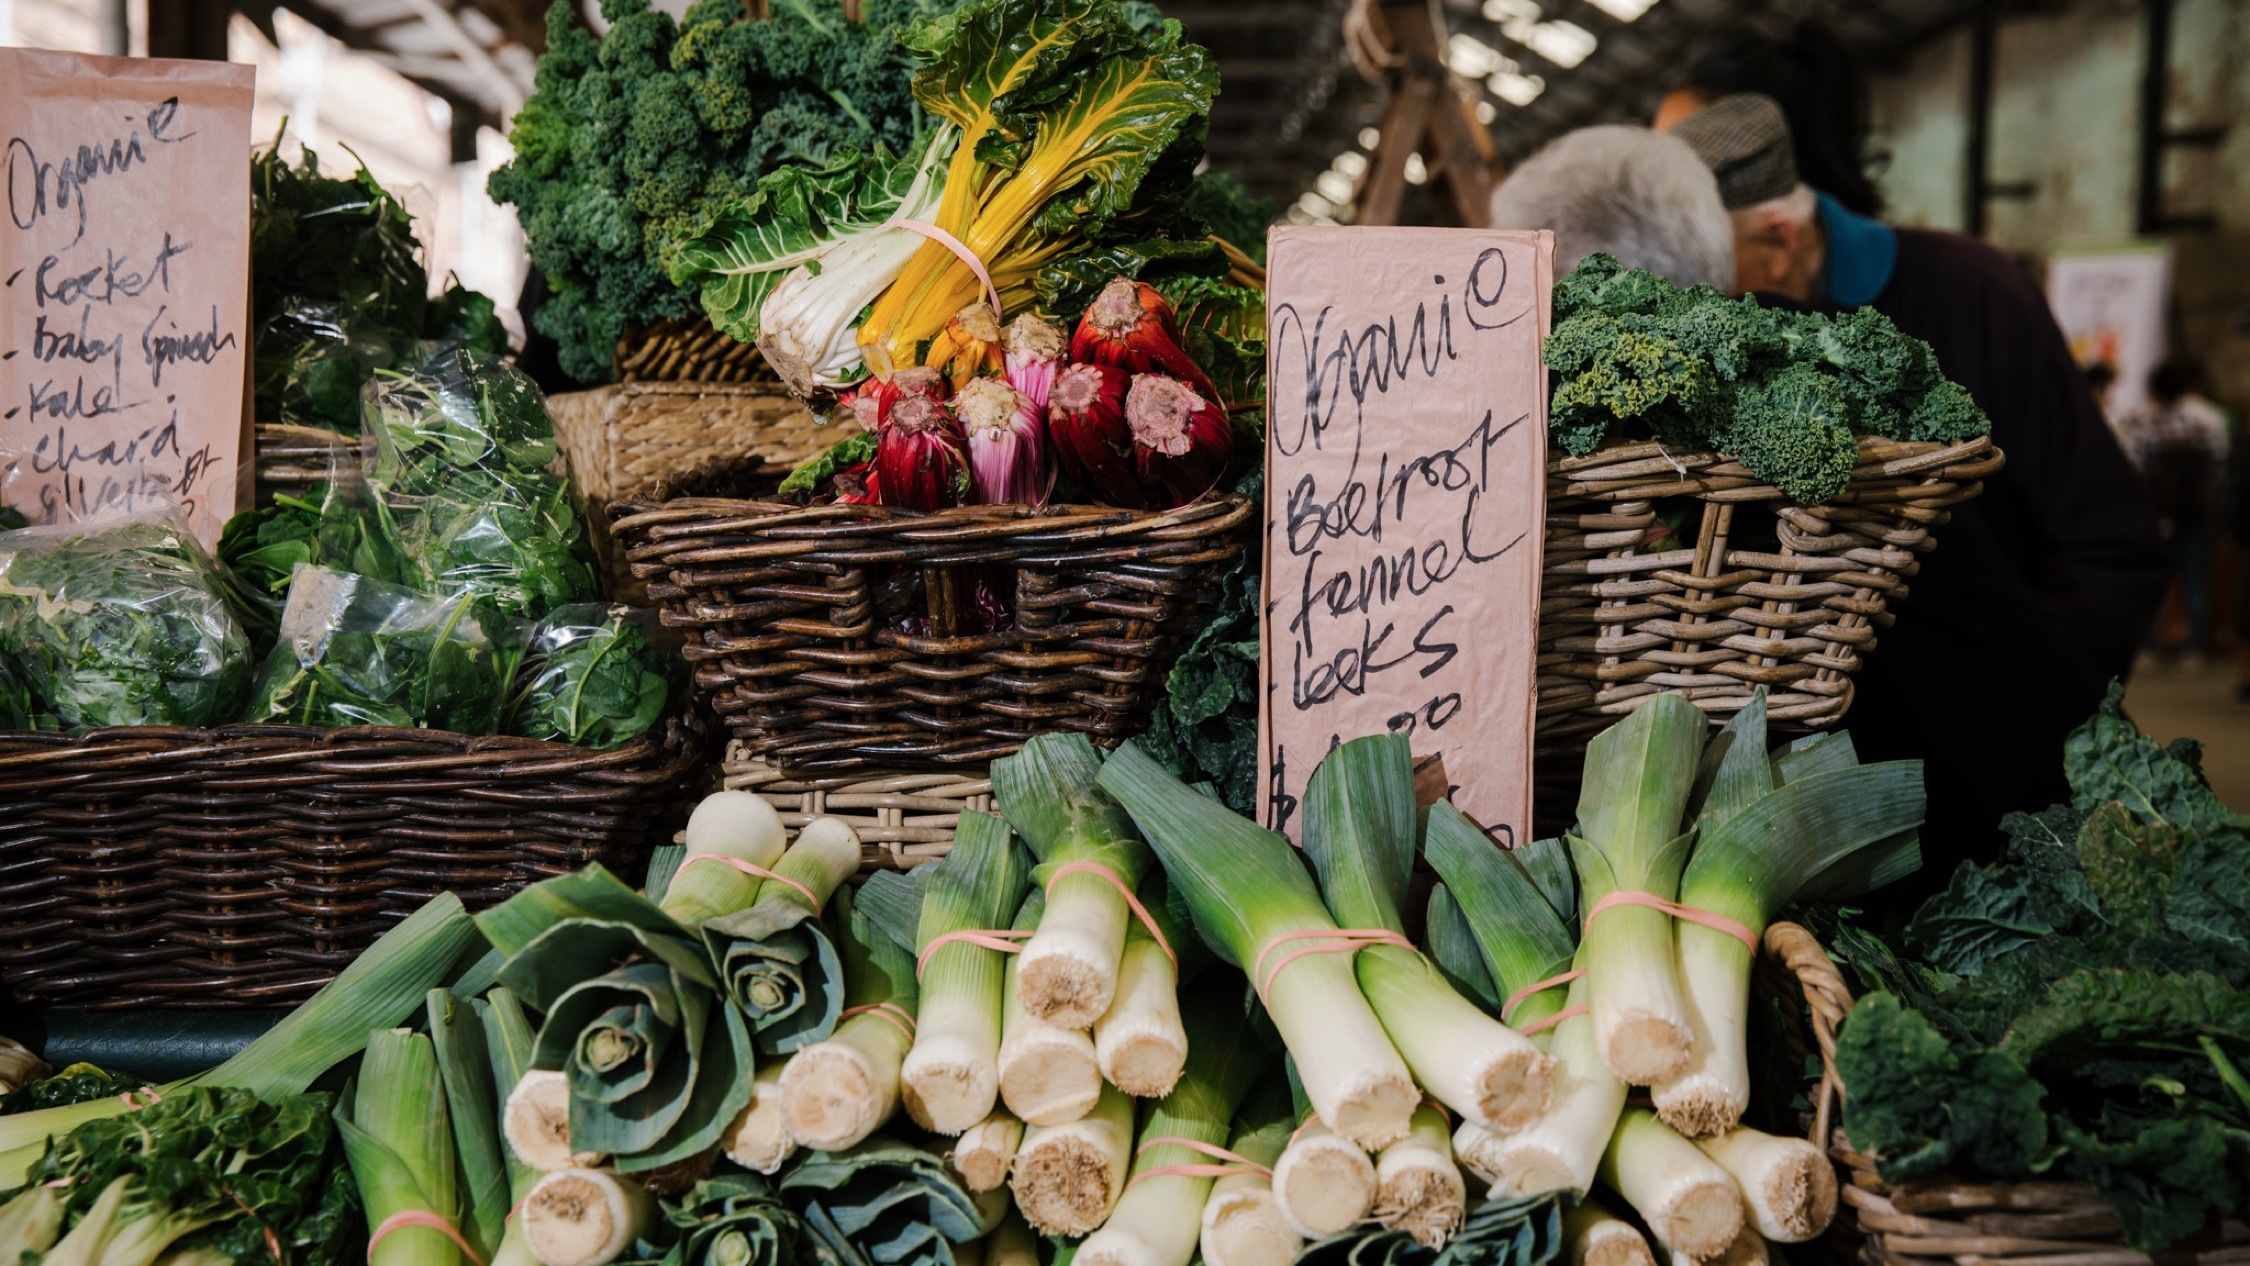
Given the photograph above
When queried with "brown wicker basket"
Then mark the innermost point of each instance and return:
(687, 349)
(659, 438)
(794, 620)
(904, 819)
(245, 866)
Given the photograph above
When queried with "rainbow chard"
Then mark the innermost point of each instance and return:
(969, 346)
(1005, 439)
(1181, 440)
(921, 457)
(1093, 443)
(1130, 326)
(1032, 356)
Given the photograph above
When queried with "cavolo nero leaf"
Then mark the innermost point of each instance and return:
(1920, 1106)
(2108, 758)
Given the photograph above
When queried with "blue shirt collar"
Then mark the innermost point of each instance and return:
(1862, 253)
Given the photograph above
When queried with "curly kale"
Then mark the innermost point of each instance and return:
(632, 142)
(1785, 393)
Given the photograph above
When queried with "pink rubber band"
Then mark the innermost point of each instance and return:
(1116, 881)
(405, 1218)
(1715, 922)
(1535, 987)
(890, 1013)
(1234, 1164)
(1548, 1022)
(59, 1183)
(752, 868)
(1339, 940)
(153, 1098)
(1002, 940)
(960, 252)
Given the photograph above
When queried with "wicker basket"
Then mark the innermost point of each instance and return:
(903, 819)
(656, 438)
(246, 866)
(687, 349)
(784, 632)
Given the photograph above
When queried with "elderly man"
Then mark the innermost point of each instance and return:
(1628, 192)
(2040, 591)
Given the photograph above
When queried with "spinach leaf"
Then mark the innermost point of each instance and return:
(355, 651)
(590, 679)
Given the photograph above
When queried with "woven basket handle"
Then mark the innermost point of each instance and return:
(1830, 1000)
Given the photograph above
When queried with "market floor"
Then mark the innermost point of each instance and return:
(2169, 700)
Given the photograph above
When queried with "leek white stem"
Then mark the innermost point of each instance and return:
(1012, 1243)
(733, 824)
(1474, 1064)
(1139, 1041)
(1562, 1149)
(584, 1217)
(1686, 1198)
(951, 1079)
(1711, 1090)
(1324, 1183)
(1478, 1150)
(1418, 1188)
(1242, 1222)
(1069, 970)
(836, 1093)
(1746, 1249)
(1788, 1186)
(1048, 1074)
(986, 1150)
(536, 1121)
(1593, 1236)
(759, 1139)
(1357, 1083)
(1069, 1177)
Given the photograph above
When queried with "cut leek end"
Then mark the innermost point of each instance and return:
(759, 1140)
(1374, 1109)
(1065, 1184)
(1060, 985)
(583, 1217)
(1529, 1168)
(1644, 1049)
(1049, 1075)
(1610, 1242)
(1794, 1197)
(1699, 1217)
(831, 1097)
(1425, 1201)
(1700, 1105)
(1118, 1246)
(1478, 1150)
(1323, 1185)
(986, 1150)
(949, 1084)
(536, 1122)
(1145, 1062)
(1747, 1249)
(1243, 1226)
(1513, 1089)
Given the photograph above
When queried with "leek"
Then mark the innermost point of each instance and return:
(1067, 1177)
(1418, 1187)
(400, 1147)
(1748, 1248)
(736, 824)
(1639, 773)
(1453, 947)
(381, 988)
(1478, 1150)
(1788, 1185)
(1593, 1236)
(1012, 1243)
(585, 1217)
(1159, 1219)
(535, 1120)
(1757, 848)
(1139, 1042)
(1359, 835)
(836, 1093)
(985, 1152)
(733, 1219)
(465, 1067)
(1687, 1199)
(1563, 1149)
(775, 958)
(508, 1039)
(1247, 887)
(1242, 1222)
(885, 1203)
(1323, 1183)
(951, 1078)
(759, 1140)
(1048, 1074)
(1048, 792)
(1524, 937)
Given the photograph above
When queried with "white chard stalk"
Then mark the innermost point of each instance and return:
(536, 1123)
(1139, 1042)
(984, 1152)
(584, 1217)
(1069, 1177)
(1593, 1236)
(1562, 1150)
(759, 1139)
(1418, 1188)
(1788, 1186)
(1324, 1183)
(1687, 1199)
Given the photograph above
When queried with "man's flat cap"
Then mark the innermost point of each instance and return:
(1744, 140)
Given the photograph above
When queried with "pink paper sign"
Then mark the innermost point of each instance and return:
(124, 284)
(1405, 494)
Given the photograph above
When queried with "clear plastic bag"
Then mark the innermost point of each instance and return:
(465, 462)
(313, 358)
(122, 622)
(590, 678)
(356, 651)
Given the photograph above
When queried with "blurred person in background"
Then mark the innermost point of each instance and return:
(2100, 377)
(1813, 78)
(1628, 192)
(2178, 439)
(2041, 590)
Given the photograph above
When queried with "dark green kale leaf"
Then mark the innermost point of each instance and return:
(590, 679)
(1919, 1105)
(1235, 215)
(1990, 911)
(2108, 758)
(1206, 725)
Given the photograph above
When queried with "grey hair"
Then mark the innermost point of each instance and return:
(1632, 193)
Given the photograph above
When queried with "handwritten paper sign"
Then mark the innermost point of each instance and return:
(1405, 494)
(124, 284)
